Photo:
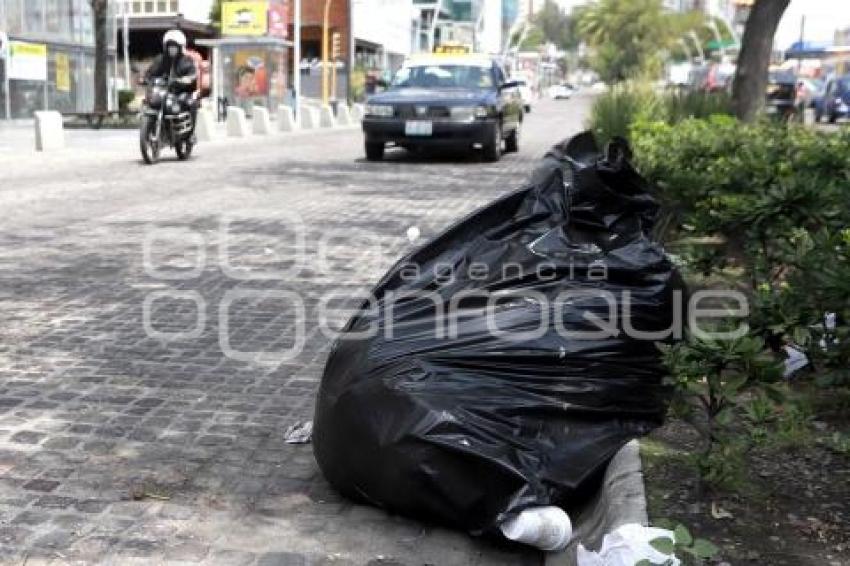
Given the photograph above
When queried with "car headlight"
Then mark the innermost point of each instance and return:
(380, 110)
(482, 112)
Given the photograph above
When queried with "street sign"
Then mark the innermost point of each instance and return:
(245, 17)
(27, 61)
(63, 72)
(452, 49)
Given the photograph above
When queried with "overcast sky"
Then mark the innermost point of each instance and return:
(823, 17)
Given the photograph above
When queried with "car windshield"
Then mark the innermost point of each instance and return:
(844, 84)
(443, 76)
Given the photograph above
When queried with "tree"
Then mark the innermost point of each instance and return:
(215, 14)
(751, 76)
(556, 26)
(629, 37)
(100, 15)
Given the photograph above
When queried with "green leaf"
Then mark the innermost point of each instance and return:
(663, 545)
(775, 394)
(704, 549)
(666, 524)
(683, 535)
(644, 562)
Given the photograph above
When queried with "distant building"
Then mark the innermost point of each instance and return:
(48, 57)
(382, 43)
(148, 21)
(842, 36)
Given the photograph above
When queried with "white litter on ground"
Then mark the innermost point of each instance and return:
(626, 546)
(547, 528)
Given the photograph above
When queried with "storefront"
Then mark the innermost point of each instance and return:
(48, 60)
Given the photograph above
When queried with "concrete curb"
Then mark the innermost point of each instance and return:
(620, 500)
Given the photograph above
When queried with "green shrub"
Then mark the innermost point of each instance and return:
(615, 112)
(765, 205)
(125, 98)
(681, 105)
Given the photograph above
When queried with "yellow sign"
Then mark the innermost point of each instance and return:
(27, 61)
(245, 17)
(452, 49)
(63, 73)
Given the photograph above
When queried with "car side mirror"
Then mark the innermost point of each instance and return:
(510, 84)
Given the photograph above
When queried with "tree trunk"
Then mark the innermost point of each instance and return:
(750, 86)
(100, 13)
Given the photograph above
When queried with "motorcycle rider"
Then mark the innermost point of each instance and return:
(180, 70)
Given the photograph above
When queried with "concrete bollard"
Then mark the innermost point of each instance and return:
(237, 123)
(205, 128)
(49, 131)
(357, 112)
(326, 117)
(285, 119)
(309, 117)
(343, 115)
(262, 121)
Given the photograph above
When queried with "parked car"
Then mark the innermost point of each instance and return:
(525, 94)
(834, 103)
(563, 91)
(781, 95)
(456, 101)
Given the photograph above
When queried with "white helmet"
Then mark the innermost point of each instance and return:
(174, 36)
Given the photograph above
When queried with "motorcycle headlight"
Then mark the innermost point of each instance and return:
(463, 113)
(175, 107)
(380, 110)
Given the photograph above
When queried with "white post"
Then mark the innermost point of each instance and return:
(296, 60)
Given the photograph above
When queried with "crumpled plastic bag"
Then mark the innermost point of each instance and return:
(471, 427)
(626, 546)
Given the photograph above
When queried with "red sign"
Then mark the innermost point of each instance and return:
(279, 19)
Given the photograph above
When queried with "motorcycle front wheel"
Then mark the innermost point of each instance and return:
(149, 146)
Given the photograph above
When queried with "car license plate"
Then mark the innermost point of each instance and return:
(418, 128)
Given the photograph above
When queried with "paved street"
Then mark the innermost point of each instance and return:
(145, 319)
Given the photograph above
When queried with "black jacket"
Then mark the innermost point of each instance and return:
(182, 67)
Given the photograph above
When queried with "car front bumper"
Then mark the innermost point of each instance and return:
(444, 132)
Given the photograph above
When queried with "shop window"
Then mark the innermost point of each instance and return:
(34, 16)
(14, 16)
(175, 6)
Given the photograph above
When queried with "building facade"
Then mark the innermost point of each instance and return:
(48, 57)
(382, 33)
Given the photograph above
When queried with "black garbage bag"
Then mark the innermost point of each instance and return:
(506, 407)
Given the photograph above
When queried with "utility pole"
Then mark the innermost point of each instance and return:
(326, 52)
(802, 40)
(296, 60)
(125, 35)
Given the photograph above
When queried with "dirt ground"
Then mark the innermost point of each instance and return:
(792, 507)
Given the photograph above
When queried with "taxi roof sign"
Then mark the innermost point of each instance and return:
(452, 49)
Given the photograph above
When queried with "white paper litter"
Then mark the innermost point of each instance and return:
(627, 546)
(299, 433)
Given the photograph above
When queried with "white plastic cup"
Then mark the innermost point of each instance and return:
(547, 528)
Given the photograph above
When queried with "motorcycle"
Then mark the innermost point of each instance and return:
(166, 120)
